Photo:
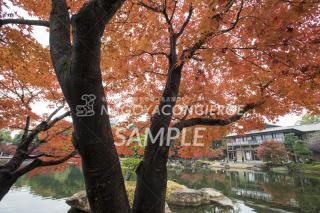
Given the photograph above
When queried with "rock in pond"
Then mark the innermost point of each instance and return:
(80, 202)
(193, 197)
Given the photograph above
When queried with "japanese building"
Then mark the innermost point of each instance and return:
(244, 147)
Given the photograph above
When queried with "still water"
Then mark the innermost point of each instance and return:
(45, 191)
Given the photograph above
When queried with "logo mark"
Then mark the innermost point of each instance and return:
(86, 110)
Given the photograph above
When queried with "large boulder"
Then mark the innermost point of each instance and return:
(193, 197)
(187, 197)
(80, 202)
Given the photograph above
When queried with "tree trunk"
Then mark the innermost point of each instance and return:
(151, 186)
(79, 75)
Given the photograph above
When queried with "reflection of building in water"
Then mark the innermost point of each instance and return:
(257, 195)
(251, 177)
(244, 147)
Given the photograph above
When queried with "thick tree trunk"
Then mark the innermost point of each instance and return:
(151, 186)
(152, 172)
(101, 167)
(79, 74)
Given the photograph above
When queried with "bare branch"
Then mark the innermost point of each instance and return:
(25, 22)
(168, 20)
(234, 24)
(250, 62)
(185, 24)
(163, 11)
(26, 129)
(54, 113)
(154, 9)
(216, 122)
(42, 155)
(40, 163)
(55, 120)
(43, 126)
(153, 72)
(174, 10)
(199, 44)
(150, 53)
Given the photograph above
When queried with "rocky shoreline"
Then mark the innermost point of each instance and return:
(182, 196)
(192, 197)
(214, 165)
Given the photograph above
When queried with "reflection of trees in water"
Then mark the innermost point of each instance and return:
(200, 179)
(57, 184)
(204, 209)
(192, 178)
(308, 194)
(284, 190)
(280, 194)
(279, 189)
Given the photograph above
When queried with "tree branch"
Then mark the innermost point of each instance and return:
(191, 51)
(25, 22)
(156, 73)
(54, 113)
(216, 122)
(154, 9)
(40, 163)
(26, 129)
(43, 126)
(23, 149)
(174, 10)
(150, 53)
(42, 155)
(60, 44)
(234, 24)
(185, 24)
(162, 11)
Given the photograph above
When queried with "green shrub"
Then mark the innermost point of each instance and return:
(130, 163)
(171, 186)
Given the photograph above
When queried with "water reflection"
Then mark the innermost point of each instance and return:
(259, 189)
(250, 191)
(56, 184)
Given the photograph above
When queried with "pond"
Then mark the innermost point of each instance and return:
(251, 191)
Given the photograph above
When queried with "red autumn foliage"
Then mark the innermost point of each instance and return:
(272, 151)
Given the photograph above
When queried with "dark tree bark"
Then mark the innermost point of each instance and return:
(151, 186)
(77, 68)
(24, 21)
(152, 172)
(6, 182)
(78, 71)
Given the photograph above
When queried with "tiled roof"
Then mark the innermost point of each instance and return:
(301, 128)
